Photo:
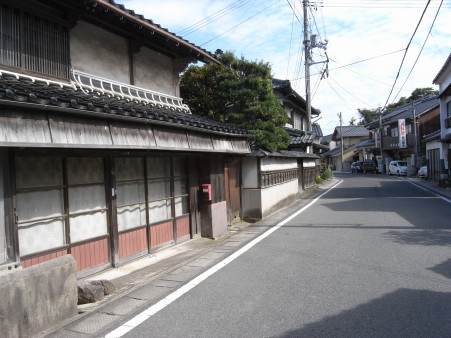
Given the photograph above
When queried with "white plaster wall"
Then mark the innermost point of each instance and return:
(155, 71)
(270, 163)
(308, 163)
(278, 196)
(249, 172)
(99, 52)
(444, 100)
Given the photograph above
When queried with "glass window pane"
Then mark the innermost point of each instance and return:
(39, 204)
(180, 186)
(158, 190)
(87, 198)
(179, 166)
(41, 236)
(84, 227)
(130, 217)
(181, 206)
(34, 172)
(130, 193)
(160, 211)
(82, 170)
(130, 168)
(158, 167)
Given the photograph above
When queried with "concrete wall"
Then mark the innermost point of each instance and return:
(278, 196)
(37, 298)
(99, 52)
(213, 219)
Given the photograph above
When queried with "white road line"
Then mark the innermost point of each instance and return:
(430, 191)
(149, 312)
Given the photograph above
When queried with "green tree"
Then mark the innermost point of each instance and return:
(238, 93)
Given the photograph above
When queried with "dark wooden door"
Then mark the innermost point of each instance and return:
(233, 191)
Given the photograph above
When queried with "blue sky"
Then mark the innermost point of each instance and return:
(366, 43)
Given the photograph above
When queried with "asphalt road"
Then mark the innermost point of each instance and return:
(372, 257)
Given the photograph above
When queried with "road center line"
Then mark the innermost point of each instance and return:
(150, 311)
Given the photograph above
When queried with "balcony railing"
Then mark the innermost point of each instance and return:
(128, 93)
(393, 142)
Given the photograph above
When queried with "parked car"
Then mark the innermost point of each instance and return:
(369, 167)
(356, 167)
(397, 168)
(423, 171)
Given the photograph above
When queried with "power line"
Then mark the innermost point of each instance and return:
(212, 18)
(405, 53)
(232, 28)
(360, 61)
(421, 50)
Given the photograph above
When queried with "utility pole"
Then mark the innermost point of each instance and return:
(380, 143)
(415, 150)
(307, 67)
(309, 43)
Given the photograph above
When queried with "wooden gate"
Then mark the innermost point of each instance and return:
(233, 191)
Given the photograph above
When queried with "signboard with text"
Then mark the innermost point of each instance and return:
(402, 133)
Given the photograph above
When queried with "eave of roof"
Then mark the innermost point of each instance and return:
(35, 93)
(445, 66)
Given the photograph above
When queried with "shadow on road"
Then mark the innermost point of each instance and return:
(421, 237)
(443, 269)
(403, 313)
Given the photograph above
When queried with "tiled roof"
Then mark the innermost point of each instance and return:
(73, 98)
(337, 151)
(350, 131)
(326, 139)
(299, 137)
(284, 86)
(366, 144)
(421, 106)
(281, 153)
(316, 128)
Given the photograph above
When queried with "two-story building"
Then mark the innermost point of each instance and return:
(443, 146)
(400, 134)
(346, 139)
(99, 156)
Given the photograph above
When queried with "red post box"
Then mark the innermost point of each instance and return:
(206, 192)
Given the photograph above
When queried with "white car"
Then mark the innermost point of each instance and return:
(423, 172)
(397, 168)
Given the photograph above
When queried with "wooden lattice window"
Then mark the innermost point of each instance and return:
(33, 44)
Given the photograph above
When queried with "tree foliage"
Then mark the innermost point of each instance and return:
(370, 115)
(238, 93)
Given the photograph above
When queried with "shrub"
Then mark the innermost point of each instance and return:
(319, 180)
(327, 174)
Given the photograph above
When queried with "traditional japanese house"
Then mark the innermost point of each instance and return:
(99, 156)
(273, 180)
